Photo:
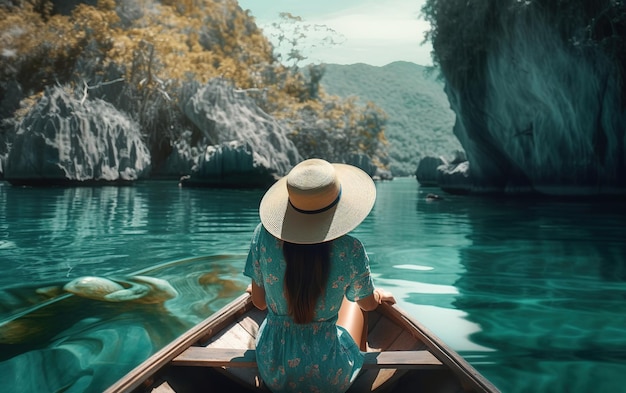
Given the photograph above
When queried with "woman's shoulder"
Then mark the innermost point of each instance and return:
(261, 232)
(348, 242)
(263, 237)
(348, 239)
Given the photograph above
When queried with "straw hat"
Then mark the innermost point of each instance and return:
(317, 202)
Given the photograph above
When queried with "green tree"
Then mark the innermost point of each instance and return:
(335, 129)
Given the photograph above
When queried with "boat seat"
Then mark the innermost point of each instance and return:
(229, 357)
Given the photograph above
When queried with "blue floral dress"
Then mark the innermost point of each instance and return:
(319, 356)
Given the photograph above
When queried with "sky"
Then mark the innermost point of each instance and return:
(375, 32)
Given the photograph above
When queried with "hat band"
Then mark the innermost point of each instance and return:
(322, 210)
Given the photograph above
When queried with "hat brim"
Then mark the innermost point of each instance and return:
(358, 194)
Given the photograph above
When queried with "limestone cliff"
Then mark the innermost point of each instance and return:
(538, 93)
(65, 140)
(241, 144)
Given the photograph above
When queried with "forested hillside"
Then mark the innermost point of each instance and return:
(419, 121)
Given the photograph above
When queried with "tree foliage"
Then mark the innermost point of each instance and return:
(138, 54)
(39, 49)
(354, 131)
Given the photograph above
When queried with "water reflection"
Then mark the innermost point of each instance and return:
(532, 293)
(73, 343)
(107, 230)
(544, 281)
(52, 341)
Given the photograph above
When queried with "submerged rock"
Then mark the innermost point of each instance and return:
(97, 288)
(158, 290)
(67, 140)
(138, 289)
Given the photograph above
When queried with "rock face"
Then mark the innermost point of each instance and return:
(451, 175)
(427, 173)
(244, 145)
(230, 164)
(545, 116)
(68, 141)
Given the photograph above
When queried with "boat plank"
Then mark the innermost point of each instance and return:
(471, 379)
(406, 341)
(383, 334)
(239, 357)
(377, 379)
(252, 321)
(234, 336)
(384, 379)
(216, 357)
(163, 388)
(372, 319)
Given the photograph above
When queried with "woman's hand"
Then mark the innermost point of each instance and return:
(384, 296)
(378, 297)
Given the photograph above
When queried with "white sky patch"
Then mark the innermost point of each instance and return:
(378, 26)
(374, 32)
(379, 35)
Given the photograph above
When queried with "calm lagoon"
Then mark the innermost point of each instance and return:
(532, 293)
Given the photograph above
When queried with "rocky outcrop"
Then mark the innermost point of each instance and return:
(364, 163)
(540, 111)
(455, 178)
(230, 164)
(72, 141)
(184, 155)
(243, 145)
(10, 96)
(452, 175)
(427, 173)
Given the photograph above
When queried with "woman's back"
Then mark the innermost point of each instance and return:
(316, 203)
(349, 274)
(319, 354)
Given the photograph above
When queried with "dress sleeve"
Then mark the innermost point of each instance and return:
(361, 284)
(253, 267)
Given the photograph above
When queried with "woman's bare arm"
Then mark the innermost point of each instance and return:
(371, 302)
(258, 295)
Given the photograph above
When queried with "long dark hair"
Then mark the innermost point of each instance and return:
(307, 271)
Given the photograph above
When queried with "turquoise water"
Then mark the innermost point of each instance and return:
(532, 293)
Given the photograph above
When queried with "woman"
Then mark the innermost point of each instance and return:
(313, 278)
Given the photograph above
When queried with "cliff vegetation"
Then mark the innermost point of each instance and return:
(139, 55)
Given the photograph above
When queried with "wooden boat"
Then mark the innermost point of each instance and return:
(218, 355)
